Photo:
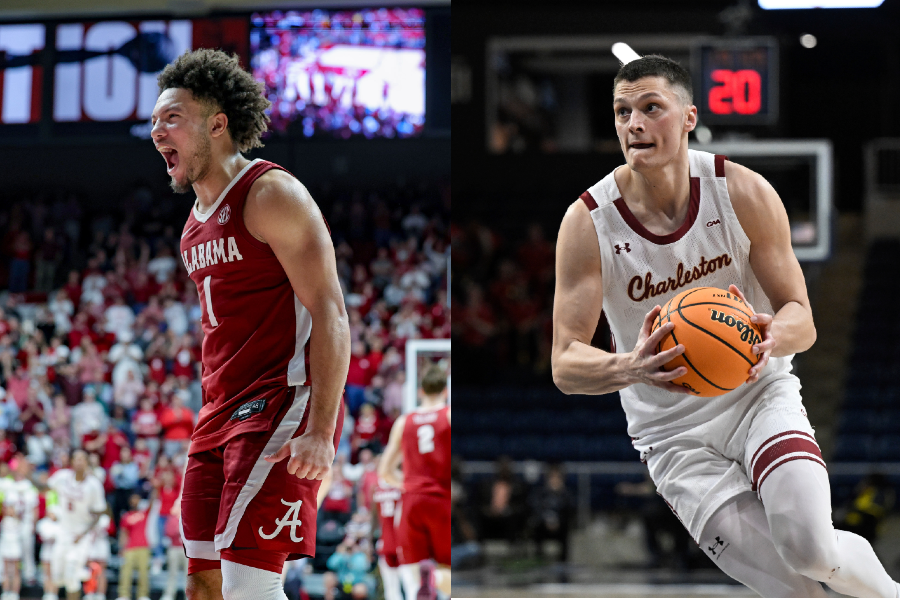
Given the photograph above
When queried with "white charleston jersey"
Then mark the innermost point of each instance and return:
(641, 269)
(77, 500)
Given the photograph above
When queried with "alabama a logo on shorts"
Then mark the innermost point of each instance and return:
(224, 214)
(291, 517)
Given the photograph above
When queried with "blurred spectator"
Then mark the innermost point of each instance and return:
(87, 417)
(366, 431)
(873, 501)
(465, 551)
(551, 508)
(177, 423)
(167, 490)
(128, 391)
(176, 562)
(39, 446)
(62, 309)
(19, 266)
(163, 266)
(119, 318)
(359, 376)
(125, 355)
(347, 572)
(503, 504)
(32, 411)
(47, 258)
(135, 550)
(338, 503)
(7, 447)
(145, 425)
(124, 475)
(58, 422)
(658, 521)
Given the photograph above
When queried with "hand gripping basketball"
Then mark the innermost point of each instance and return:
(647, 364)
(311, 456)
(764, 322)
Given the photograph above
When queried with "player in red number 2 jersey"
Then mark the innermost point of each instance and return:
(423, 437)
(276, 344)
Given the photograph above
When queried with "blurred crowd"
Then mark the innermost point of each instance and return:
(507, 506)
(100, 335)
(503, 305)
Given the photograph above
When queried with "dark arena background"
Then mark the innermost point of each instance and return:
(99, 323)
(550, 498)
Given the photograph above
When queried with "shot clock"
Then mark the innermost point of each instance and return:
(736, 81)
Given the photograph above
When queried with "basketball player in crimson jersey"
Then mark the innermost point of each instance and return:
(276, 344)
(422, 439)
(742, 470)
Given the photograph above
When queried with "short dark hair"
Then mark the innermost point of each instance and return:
(215, 78)
(655, 65)
(434, 380)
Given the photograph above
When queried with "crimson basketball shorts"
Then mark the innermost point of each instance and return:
(698, 470)
(423, 531)
(237, 506)
(387, 545)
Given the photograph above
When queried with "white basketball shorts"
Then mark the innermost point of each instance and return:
(698, 470)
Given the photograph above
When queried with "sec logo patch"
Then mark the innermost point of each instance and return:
(224, 214)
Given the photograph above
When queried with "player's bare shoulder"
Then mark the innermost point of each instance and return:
(756, 203)
(577, 250)
(278, 200)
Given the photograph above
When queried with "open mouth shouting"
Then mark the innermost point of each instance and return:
(171, 156)
(641, 145)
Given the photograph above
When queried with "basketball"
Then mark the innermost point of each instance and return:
(714, 327)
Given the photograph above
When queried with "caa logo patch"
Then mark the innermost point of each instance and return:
(224, 214)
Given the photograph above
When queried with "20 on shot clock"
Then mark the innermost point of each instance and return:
(738, 81)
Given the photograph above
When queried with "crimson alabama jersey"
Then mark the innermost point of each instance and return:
(387, 502)
(256, 331)
(426, 452)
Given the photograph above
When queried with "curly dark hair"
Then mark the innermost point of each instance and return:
(218, 79)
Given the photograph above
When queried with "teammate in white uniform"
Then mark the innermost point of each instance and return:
(81, 503)
(48, 529)
(98, 556)
(742, 471)
(10, 550)
(25, 494)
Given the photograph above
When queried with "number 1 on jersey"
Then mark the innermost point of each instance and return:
(425, 434)
(208, 297)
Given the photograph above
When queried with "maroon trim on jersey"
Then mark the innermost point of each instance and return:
(638, 228)
(589, 200)
(720, 165)
(776, 436)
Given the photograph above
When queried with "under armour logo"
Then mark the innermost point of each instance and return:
(718, 543)
(620, 248)
(292, 513)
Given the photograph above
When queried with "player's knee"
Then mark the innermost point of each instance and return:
(204, 585)
(813, 556)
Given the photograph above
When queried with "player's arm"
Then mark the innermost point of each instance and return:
(578, 367)
(763, 218)
(389, 466)
(281, 213)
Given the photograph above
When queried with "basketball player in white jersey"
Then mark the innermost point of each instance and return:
(26, 495)
(48, 529)
(742, 470)
(81, 504)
